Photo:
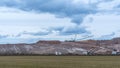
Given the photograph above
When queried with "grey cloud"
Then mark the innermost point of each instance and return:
(71, 30)
(3, 36)
(61, 8)
(39, 33)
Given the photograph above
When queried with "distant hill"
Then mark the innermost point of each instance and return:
(56, 47)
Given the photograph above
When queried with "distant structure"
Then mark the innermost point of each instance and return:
(86, 37)
(75, 38)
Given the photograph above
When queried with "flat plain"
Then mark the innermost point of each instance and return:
(59, 61)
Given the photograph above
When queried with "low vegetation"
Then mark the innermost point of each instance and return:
(59, 61)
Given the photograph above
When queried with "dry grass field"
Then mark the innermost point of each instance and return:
(59, 61)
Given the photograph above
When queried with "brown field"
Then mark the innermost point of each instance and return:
(59, 61)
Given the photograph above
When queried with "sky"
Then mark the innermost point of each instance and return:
(27, 21)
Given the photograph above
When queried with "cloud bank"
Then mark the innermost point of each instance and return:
(75, 10)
